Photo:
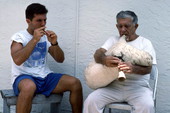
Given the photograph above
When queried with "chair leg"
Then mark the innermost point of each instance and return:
(55, 108)
(104, 110)
(110, 110)
(6, 107)
(155, 105)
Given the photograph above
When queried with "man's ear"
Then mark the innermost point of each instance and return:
(136, 26)
(117, 25)
(28, 21)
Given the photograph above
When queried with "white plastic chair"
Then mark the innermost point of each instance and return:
(153, 84)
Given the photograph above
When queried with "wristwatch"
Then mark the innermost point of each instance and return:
(55, 44)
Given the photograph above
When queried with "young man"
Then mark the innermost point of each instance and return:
(135, 89)
(30, 72)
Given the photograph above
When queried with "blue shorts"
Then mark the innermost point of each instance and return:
(43, 85)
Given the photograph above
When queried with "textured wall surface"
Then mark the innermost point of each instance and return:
(82, 27)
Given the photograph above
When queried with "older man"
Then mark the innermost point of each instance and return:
(135, 89)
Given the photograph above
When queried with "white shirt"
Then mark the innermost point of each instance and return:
(36, 64)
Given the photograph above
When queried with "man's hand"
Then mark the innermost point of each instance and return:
(111, 61)
(129, 68)
(52, 37)
(101, 58)
(38, 33)
(126, 67)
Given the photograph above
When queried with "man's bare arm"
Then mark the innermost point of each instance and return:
(19, 53)
(57, 53)
(142, 69)
(99, 56)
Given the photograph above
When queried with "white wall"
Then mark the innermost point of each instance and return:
(82, 27)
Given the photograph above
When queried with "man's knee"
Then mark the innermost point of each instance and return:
(91, 99)
(76, 84)
(27, 86)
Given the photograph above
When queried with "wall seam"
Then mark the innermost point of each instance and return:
(77, 37)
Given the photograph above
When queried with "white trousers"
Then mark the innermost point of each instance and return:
(140, 97)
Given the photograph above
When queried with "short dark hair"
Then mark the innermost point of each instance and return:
(128, 14)
(35, 8)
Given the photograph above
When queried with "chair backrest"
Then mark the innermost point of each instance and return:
(153, 83)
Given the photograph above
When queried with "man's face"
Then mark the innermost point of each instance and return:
(126, 27)
(39, 20)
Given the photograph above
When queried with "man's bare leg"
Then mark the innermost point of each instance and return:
(24, 101)
(72, 84)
